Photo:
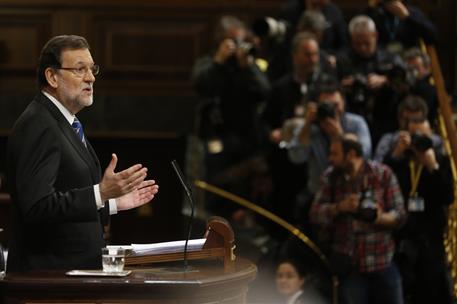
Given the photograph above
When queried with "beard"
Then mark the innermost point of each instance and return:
(77, 101)
(338, 170)
(342, 169)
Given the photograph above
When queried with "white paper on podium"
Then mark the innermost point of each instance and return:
(164, 247)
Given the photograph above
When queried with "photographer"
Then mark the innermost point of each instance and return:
(425, 178)
(323, 121)
(335, 34)
(362, 70)
(412, 108)
(232, 87)
(359, 203)
(291, 93)
(284, 110)
(418, 63)
(400, 25)
(277, 34)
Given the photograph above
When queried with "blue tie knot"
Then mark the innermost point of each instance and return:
(77, 126)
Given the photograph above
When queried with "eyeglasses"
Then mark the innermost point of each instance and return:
(82, 71)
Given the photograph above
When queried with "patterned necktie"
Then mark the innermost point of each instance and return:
(77, 126)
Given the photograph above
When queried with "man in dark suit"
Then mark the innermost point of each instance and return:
(60, 199)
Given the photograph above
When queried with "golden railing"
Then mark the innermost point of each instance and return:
(276, 219)
(448, 132)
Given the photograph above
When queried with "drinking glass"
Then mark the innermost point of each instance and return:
(113, 259)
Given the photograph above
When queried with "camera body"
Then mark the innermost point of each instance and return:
(367, 210)
(421, 142)
(326, 109)
(399, 74)
(247, 47)
(359, 88)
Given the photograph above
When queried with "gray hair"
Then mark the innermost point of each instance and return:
(312, 20)
(224, 24)
(362, 24)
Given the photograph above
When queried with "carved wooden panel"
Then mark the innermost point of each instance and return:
(148, 46)
(21, 38)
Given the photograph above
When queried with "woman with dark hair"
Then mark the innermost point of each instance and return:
(292, 283)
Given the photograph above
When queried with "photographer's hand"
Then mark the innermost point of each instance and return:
(373, 3)
(332, 126)
(387, 220)
(310, 117)
(403, 143)
(397, 8)
(349, 204)
(243, 58)
(226, 49)
(347, 81)
(375, 81)
(427, 159)
(311, 112)
(275, 136)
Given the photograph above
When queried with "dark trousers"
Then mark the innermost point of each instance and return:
(380, 287)
(422, 264)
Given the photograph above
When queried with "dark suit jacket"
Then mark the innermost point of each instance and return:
(51, 175)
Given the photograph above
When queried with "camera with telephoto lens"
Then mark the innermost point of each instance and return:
(421, 142)
(247, 47)
(269, 27)
(326, 109)
(367, 210)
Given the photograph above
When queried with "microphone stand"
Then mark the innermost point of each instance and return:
(188, 191)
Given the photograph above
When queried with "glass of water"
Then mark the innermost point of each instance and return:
(113, 259)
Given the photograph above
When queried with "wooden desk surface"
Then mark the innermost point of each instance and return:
(205, 282)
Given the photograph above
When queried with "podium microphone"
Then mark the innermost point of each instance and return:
(188, 191)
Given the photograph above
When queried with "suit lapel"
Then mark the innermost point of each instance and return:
(87, 154)
(95, 161)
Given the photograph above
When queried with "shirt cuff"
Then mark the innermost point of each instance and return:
(112, 206)
(98, 197)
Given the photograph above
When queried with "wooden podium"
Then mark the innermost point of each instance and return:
(219, 244)
(206, 281)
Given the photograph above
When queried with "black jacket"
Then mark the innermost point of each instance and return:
(51, 176)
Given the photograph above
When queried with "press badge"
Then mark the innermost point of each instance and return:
(416, 204)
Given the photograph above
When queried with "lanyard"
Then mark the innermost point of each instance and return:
(415, 176)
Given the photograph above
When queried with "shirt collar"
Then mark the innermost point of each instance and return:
(294, 297)
(68, 116)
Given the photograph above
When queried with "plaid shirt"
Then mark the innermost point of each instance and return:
(370, 247)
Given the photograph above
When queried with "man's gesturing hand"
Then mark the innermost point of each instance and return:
(140, 196)
(117, 184)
